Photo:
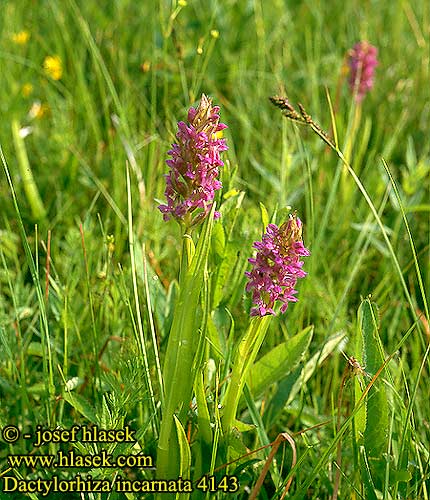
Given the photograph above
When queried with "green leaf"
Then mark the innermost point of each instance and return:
(260, 430)
(361, 415)
(366, 476)
(291, 385)
(5, 345)
(19, 476)
(202, 409)
(235, 448)
(181, 349)
(169, 309)
(204, 444)
(157, 291)
(82, 406)
(185, 455)
(264, 216)
(28, 182)
(222, 281)
(213, 337)
(377, 424)
(315, 362)
(35, 349)
(181, 345)
(243, 426)
(371, 421)
(37, 388)
(279, 362)
(246, 352)
(400, 475)
(218, 240)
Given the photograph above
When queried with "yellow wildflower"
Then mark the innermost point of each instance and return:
(53, 67)
(145, 66)
(21, 38)
(215, 34)
(27, 89)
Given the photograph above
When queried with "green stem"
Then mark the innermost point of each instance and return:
(178, 361)
(245, 356)
(30, 188)
(178, 370)
(350, 141)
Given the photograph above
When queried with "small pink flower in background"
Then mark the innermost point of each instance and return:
(194, 165)
(276, 267)
(362, 60)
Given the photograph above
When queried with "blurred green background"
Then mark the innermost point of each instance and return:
(89, 87)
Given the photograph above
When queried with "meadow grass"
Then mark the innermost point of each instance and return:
(89, 273)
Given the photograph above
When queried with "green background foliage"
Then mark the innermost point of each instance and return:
(71, 332)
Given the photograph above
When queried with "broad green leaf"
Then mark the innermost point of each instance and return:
(366, 476)
(185, 455)
(279, 362)
(218, 240)
(360, 417)
(244, 357)
(377, 424)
